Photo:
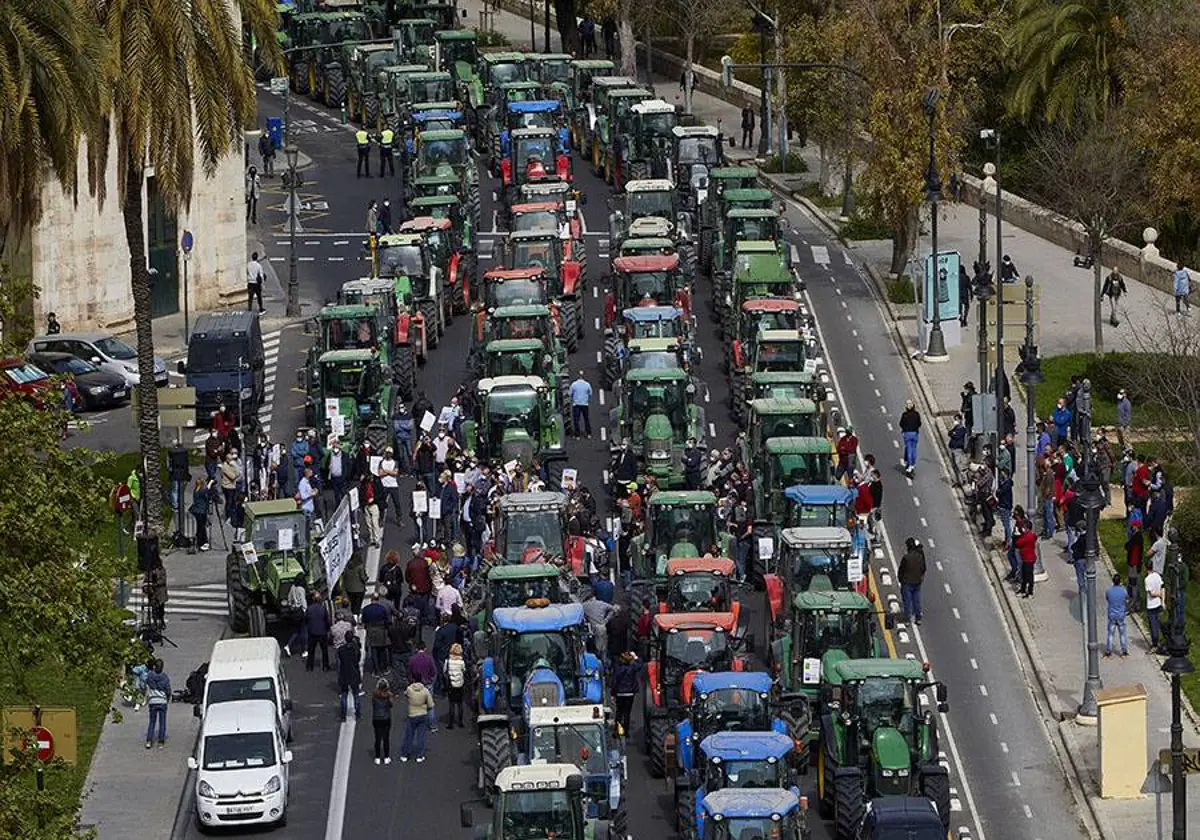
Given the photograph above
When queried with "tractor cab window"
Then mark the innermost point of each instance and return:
(646, 286)
(698, 593)
(784, 425)
(778, 320)
(517, 364)
(578, 744)
(436, 153)
(344, 380)
(517, 292)
(751, 828)
(887, 703)
(653, 360)
(659, 124)
(535, 150)
(667, 397)
(532, 537)
(505, 73)
(694, 150)
(753, 774)
(514, 593)
(791, 468)
(662, 328)
(752, 229)
(780, 355)
(354, 29)
(554, 71)
(539, 815)
(459, 50)
(822, 630)
(347, 333)
(694, 649)
(641, 204)
(553, 650)
(514, 410)
(539, 220)
(431, 90)
(536, 119)
(265, 534)
(518, 327)
(801, 516)
(781, 391)
(732, 710)
(438, 242)
(536, 253)
(401, 261)
(806, 563)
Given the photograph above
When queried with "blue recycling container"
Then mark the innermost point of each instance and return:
(275, 131)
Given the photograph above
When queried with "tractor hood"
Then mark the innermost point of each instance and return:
(516, 445)
(830, 660)
(685, 549)
(890, 750)
(657, 431)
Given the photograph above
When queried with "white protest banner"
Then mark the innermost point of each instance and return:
(376, 460)
(766, 548)
(337, 544)
(332, 407)
(460, 482)
(435, 508)
(420, 501)
(854, 568)
(427, 422)
(287, 538)
(569, 478)
(352, 495)
(338, 424)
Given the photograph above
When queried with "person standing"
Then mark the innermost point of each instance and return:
(581, 398)
(252, 193)
(389, 481)
(910, 430)
(349, 657)
(420, 582)
(1117, 598)
(416, 725)
(747, 126)
(625, 684)
(1154, 606)
(316, 619)
(370, 505)
(372, 218)
(230, 473)
(1181, 282)
(266, 150)
(911, 575)
(1114, 287)
(155, 590)
(362, 142)
(306, 494)
(443, 639)
(158, 695)
(693, 465)
(336, 469)
(455, 674)
(354, 582)
(375, 618)
(201, 501)
(1124, 416)
(52, 325)
(957, 444)
(254, 282)
(964, 295)
(448, 500)
(847, 453)
(381, 721)
(1027, 549)
(387, 141)
(385, 217)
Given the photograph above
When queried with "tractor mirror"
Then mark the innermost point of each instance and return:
(940, 692)
(466, 814)
(889, 621)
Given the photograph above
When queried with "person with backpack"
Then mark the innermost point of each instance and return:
(454, 674)
(349, 655)
(381, 721)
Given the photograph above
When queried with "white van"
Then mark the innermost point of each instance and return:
(248, 669)
(241, 766)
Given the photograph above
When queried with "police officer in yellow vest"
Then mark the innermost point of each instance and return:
(364, 151)
(387, 141)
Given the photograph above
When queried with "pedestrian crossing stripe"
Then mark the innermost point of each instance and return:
(207, 599)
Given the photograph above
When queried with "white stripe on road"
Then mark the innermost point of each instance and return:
(600, 357)
(712, 430)
(604, 436)
(341, 766)
(601, 396)
(336, 259)
(597, 328)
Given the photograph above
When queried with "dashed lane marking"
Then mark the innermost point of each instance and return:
(924, 522)
(597, 328)
(1028, 810)
(975, 667)
(949, 591)
(954, 611)
(599, 356)
(601, 396)
(992, 716)
(1003, 746)
(1016, 779)
(712, 430)
(983, 690)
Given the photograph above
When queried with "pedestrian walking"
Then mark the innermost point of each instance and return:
(1181, 282)
(910, 430)
(625, 684)
(1117, 598)
(318, 624)
(417, 722)
(1027, 548)
(1124, 416)
(255, 274)
(382, 701)
(266, 150)
(1114, 287)
(385, 217)
(297, 604)
(376, 618)
(911, 575)
(349, 659)
(252, 193)
(957, 443)
(964, 295)
(747, 126)
(158, 695)
(454, 673)
(1154, 606)
(581, 399)
(389, 480)
(362, 142)
(201, 502)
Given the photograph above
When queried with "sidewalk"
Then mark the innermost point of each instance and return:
(1049, 626)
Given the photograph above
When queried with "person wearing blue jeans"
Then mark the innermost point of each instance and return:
(910, 431)
(158, 695)
(1117, 598)
(581, 399)
(416, 725)
(911, 575)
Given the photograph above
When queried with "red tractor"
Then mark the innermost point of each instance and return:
(700, 584)
(646, 280)
(543, 249)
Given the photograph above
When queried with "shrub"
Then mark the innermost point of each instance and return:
(901, 290)
(813, 192)
(795, 164)
(1187, 520)
(484, 38)
(862, 226)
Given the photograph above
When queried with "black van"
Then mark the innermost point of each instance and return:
(226, 358)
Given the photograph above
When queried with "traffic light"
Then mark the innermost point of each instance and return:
(726, 72)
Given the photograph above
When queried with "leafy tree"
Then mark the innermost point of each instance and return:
(51, 95)
(624, 13)
(1069, 57)
(694, 19)
(1094, 175)
(568, 31)
(179, 85)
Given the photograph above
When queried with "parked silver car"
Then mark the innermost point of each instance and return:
(104, 350)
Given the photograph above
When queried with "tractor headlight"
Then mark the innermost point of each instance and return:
(902, 772)
(887, 774)
(659, 454)
(205, 791)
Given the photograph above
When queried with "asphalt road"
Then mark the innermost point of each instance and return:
(1012, 787)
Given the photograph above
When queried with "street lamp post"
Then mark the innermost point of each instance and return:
(989, 169)
(293, 287)
(1031, 376)
(1091, 501)
(998, 382)
(532, 27)
(1177, 665)
(936, 352)
(764, 101)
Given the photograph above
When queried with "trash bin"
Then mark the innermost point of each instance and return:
(275, 131)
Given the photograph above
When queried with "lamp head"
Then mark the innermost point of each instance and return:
(293, 154)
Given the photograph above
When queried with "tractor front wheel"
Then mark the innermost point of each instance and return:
(685, 808)
(936, 786)
(378, 437)
(797, 723)
(256, 620)
(429, 312)
(658, 747)
(610, 366)
(494, 755)
(849, 805)
(405, 368)
(236, 595)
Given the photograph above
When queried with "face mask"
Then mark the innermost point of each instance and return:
(441, 434)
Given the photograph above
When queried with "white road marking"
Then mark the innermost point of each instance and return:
(1028, 810)
(983, 690)
(966, 641)
(932, 545)
(305, 259)
(843, 303)
(600, 356)
(860, 348)
(946, 586)
(924, 523)
(820, 255)
(595, 295)
(975, 667)
(707, 396)
(1003, 746)
(312, 242)
(336, 259)
(955, 612)
(892, 428)
(916, 502)
(938, 563)
(341, 242)
(883, 409)
(992, 717)
(877, 393)
(601, 396)
(846, 257)
(866, 362)
(1016, 779)
(340, 786)
(835, 288)
(871, 377)
(277, 259)
(895, 444)
(712, 430)
(597, 328)
(604, 436)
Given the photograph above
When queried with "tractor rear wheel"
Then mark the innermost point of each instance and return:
(685, 811)
(658, 747)
(687, 263)
(370, 111)
(936, 786)
(256, 621)
(737, 405)
(494, 755)
(405, 369)
(797, 729)
(334, 87)
(472, 207)
(378, 436)
(824, 783)
(236, 595)
(610, 365)
(494, 163)
(429, 312)
(639, 170)
(570, 325)
(849, 806)
(618, 823)
(554, 472)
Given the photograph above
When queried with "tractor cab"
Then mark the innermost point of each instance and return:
(413, 37)
(437, 116)
(796, 385)
(700, 584)
(735, 761)
(642, 322)
(742, 223)
(350, 326)
(456, 51)
(532, 528)
(750, 197)
(724, 701)
(657, 410)
(513, 586)
(753, 815)
(542, 215)
(513, 287)
(550, 68)
(650, 126)
(533, 801)
(519, 357)
(428, 86)
(652, 281)
(533, 155)
(725, 178)
(403, 255)
(544, 249)
(655, 354)
(820, 559)
(791, 462)
(501, 68)
(822, 628)
(679, 523)
(760, 270)
(581, 735)
(534, 113)
(773, 418)
(517, 421)
(441, 151)
(354, 383)
(654, 198)
(696, 150)
(442, 14)
(436, 184)
(819, 503)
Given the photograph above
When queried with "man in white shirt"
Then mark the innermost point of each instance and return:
(254, 282)
(1154, 605)
(446, 598)
(442, 446)
(306, 493)
(389, 480)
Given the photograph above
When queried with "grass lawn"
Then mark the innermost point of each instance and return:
(1112, 540)
(1058, 371)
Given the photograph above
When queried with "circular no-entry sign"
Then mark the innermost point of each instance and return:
(44, 742)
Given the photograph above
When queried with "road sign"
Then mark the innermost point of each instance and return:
(185, 243)
(44, 741)
(1191, 760)
(279, 84)
(52, 732)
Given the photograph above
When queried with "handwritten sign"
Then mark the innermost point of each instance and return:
(766, 548)
(287, 539)
(248, 552)
(435, 508)
(420, 501)
(332, 407)
(569, 478)
(427, 421)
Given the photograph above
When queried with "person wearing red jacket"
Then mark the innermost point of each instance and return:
(847, 452)
(1027, 549)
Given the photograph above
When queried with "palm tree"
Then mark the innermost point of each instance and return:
(1069, 56)
(51, 95)
(179, 84)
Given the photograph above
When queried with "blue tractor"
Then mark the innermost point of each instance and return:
(538, 113)
(735, 760)
(534, 656)
(754, 814)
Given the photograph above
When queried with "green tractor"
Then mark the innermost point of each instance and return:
(366, 76)
(741, 224)
(322, 73)
(696, 151)
(590, 99)
(495, 117)
(657, 412)
(456, 51)
(404, 332)
(647, 282)
(257, 582)
(444, 14)
(759, 270)
(646, 140)
(764, 351)
(522, 322)
(576, 95)
(392, 94)
(513, 586)
(524, 357)
(877, 739)
(761, 314)
(350, 394)
(539, 800)
(778, 418)
(711, 211)
(449, 265)
(414, 40)
(421, 87)
(405, 258)
(463, 281)
(654, 199)
(550, 69)
(518, 421)
(679, 523)
(493, 69)
(359, 326)
(563, 273)
(445, 153)
(612, 137)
